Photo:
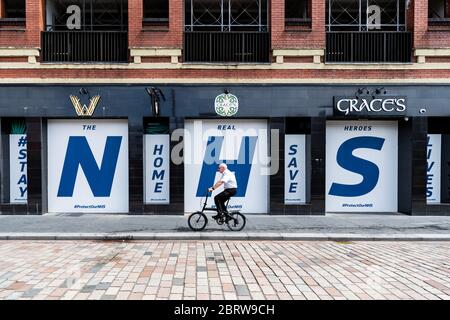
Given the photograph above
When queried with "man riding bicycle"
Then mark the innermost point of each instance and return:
(230, 187)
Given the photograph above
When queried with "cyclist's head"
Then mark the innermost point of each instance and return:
(222, 167)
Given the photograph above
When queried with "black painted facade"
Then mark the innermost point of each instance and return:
(289, 108)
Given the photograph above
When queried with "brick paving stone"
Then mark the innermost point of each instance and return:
(123, 295)
(202, 296)
(231, 270)
(242, 290)
(135, 296)
(202, 289)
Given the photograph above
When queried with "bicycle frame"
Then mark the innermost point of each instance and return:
(211, 209)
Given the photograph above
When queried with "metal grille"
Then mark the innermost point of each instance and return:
(85, 46)
(95, 15)
(226, 15)
(368, 47)
(226, 47)
(366, 15)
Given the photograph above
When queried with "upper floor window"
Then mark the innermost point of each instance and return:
(297, 12)
(12, 8)
(438, 12)
(12, 13)
(226, 15)
(87, 15)
(366, 15)
(156, 13)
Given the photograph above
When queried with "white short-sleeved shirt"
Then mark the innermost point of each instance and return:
(228, 179)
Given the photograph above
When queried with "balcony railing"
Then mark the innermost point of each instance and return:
(239, 47)
(85, 46)
(367, 47)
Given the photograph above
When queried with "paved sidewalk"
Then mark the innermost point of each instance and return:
(224, 270)
(329, 227)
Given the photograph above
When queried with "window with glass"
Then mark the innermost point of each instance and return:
(226, 15)
(439, 12)
(12, 13)
(156, 13)
(87, 15)
(12, 8)
(366, 15)
(297, 12)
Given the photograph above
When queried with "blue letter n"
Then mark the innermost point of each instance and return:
(100, 179)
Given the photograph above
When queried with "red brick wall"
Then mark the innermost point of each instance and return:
(222, 75)
(35, 13)
(424, 36)
(30, 37)
(281, 38)
(172, 38)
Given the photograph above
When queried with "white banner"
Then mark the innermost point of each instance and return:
(157, 168)
(294, 169)
(434, 168)
(243, 145)
(361, 166)
(88, 166)
(18, 168)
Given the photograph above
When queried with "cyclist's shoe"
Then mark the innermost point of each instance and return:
(217, 216)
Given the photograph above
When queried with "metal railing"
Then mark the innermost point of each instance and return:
(366, 47)
(242, 47)
(84, 46)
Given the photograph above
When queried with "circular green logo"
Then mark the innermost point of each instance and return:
(226, 104)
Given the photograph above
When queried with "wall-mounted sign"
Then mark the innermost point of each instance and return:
(361, 166)
(18, 168)
(83, 110)
(434, 168)
(87, 166)
(294, 169)
(157, 168)
(369, 106)
(243, 146)
(226, 104)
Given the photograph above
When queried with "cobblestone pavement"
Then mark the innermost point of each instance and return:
(224, 270)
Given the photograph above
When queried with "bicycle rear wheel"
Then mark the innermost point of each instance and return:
(197, 221)
(237, 221)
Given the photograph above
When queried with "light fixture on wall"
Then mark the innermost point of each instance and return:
(361, 91)
(84, 91)
(155, 95)
(380, 91)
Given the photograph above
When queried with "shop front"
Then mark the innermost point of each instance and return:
(295, 149)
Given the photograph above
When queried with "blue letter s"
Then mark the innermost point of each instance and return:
(367, 169)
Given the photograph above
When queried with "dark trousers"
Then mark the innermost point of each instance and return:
(223, 197)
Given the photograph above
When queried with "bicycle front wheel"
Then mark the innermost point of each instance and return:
(237, 221)
(197, 221)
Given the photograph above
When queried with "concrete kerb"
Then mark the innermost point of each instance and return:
(238, 236)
